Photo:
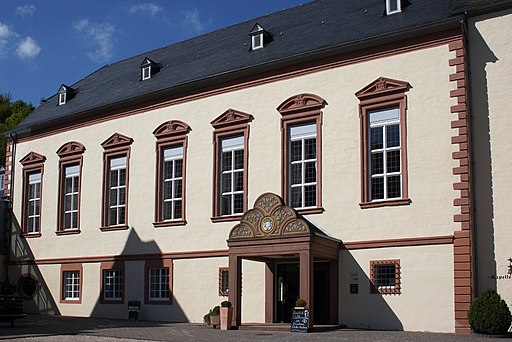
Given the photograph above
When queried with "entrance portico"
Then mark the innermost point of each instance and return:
(274, 233)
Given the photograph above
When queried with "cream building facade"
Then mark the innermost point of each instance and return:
(364, 177)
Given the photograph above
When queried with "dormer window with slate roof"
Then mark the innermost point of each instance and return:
(393, 6)
(65, 94)
(258, 37)
(148, 69)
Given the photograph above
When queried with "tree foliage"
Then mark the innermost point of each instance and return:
(11, 115)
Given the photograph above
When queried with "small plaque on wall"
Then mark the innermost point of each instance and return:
(354, 288)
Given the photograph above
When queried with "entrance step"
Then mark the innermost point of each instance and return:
(285, 327)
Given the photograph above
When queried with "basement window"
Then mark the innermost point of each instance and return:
(393, 6)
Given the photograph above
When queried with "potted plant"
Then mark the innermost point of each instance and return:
(226, 315)
(489, 314)
(213, 317)
(300, 303)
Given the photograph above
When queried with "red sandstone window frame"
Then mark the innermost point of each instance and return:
(71, 154)
(383, 93)
(71, 268)
(158, 264)
(170, 134)
(231, 124)
(388, 290)
(117, 146)
(33, 163)
(223, 291)
(298, 110)
(111, 266)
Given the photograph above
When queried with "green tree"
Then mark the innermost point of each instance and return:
(11, 114)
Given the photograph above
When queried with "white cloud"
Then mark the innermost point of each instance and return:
(26, 10)
(28, 48)
(191, 21)
(148, 8)
(99, 36)
(5, 34)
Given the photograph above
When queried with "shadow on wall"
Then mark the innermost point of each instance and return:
(484, 237)
(134, 262)
(136, 256)
(362, 310)
(22, 263)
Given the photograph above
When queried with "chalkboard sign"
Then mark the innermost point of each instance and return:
(300, 320)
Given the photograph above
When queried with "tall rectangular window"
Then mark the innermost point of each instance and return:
(172, 184)
(71, 186)
(383, 143)
(232, 176)
(301, 139)
(385, 155)
(117, 191)
(171, 159)
(33, 166)
(33, 203)
(70, 166)
(303, 166)
(230, 158)
(115, 182)
(224, 281)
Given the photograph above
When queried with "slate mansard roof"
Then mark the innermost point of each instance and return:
(298, 34)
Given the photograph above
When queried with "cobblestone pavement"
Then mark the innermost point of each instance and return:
(55, 328)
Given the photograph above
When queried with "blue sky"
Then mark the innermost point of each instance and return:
(44, 44)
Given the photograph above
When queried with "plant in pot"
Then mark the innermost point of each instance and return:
(213, 317)
(489, 314)
(226, 315)
(300, 303)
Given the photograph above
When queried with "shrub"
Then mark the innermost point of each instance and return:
(301, 303)
(215, 311)
(489, 314)
(226, 304)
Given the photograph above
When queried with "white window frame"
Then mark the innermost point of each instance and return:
(383, 124)
(113, 284)
(146, 72)
(254, 40)
(231, 145)
(62, 98)
(172, 155)
(34, 201)
(117, 187)
(161, 288)
(71, 172)
(71, 285)
(302, 136)
(395, 2)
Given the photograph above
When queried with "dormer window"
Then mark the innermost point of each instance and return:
(65, 94)
(258, 37)
(148, 69)
(62, 98)
(393, 6)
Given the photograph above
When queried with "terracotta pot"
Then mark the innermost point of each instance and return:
(226, 314)
(214, 321)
